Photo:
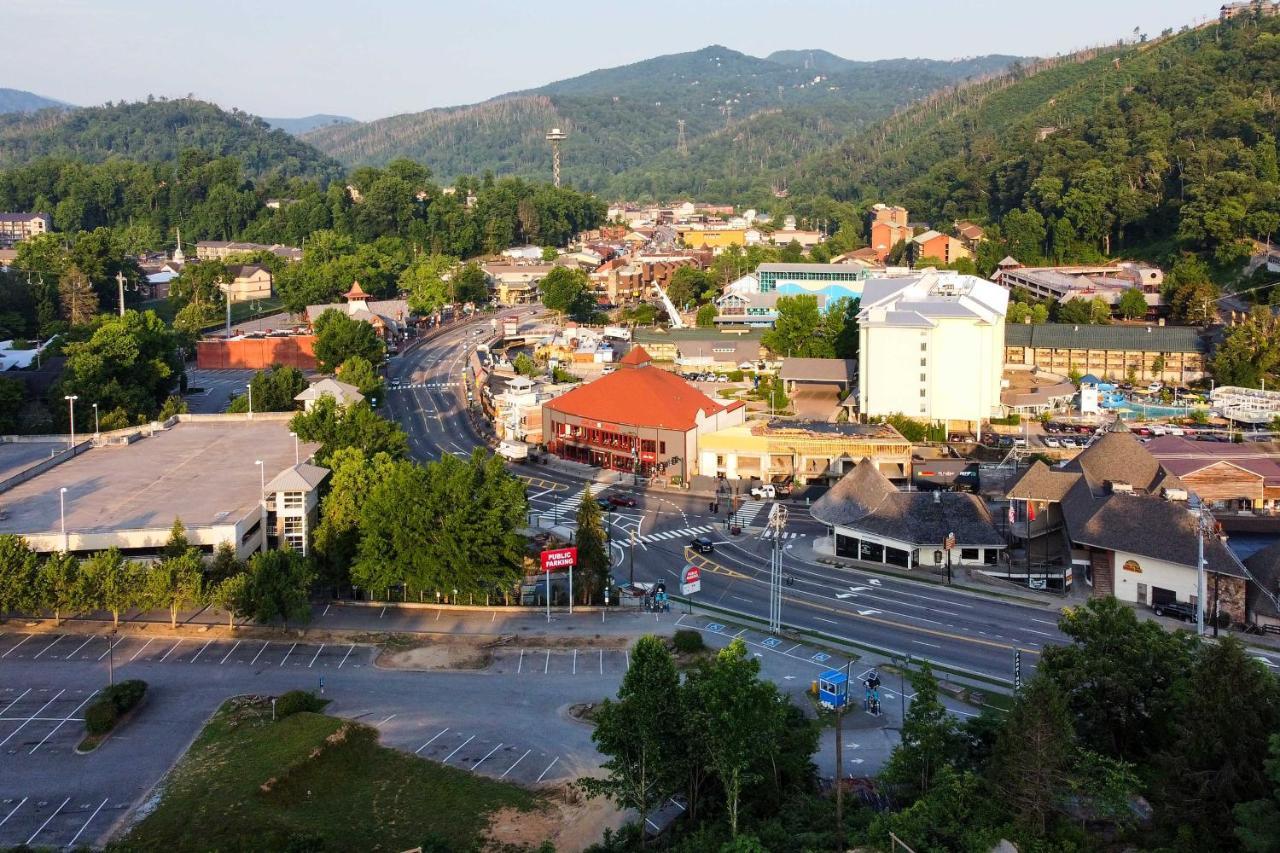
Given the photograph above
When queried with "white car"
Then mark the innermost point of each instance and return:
(765, 492)
(1051, 442)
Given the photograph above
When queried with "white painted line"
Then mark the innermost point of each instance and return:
(233, 648)
(389, 718)
(428, 743)
(326, 610)
(792, 649)
(63, 721)
(33, 716)
(259, 654)
(111, 646)
(923, 643)
(141, 650)
(628, 654)
(828, 621)
(455, 752)
(548, 770)
(313, 660)
(20, 642)
(602, 661)
(72, 843)
(15, 809)
(202, 648)
(546, 666)
(520, 665)
(79, 647)
(508, 770)
(46, 648)
(14, 702)
(286, 654)
(46, 821)
(575, 661)
(347, 655)
(481, 761)
(166, 654)
(383, 613)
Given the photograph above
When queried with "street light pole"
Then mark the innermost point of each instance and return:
(262, 499)
(250, 387)
(632, 558)
(95, 419)
(62, 514)
(296, 458)
(777, 524)
(71, 404)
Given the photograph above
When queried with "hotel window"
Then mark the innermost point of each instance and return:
(291, 500)
(662, 447)
(924, 346)
(647, 445)
(924, 362)
(922, 377)
(924, 392)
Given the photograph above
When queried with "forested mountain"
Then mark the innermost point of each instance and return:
(624, 120)
(18, 101)
(157, 130)
(1147, 149)
(306, 124)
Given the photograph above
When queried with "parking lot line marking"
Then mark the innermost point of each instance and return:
(81, 646)
(455, 752)
(166, 654)
(517, 761)
(32, 717)
(326, 610)
(141, 650)
(286, 654)
(20, 642)
(197, 654)
(389, 718)
(383, 613)
(14, 702)
(548, 770)
(546, 667)
(481, 761)
(233, 648)
(428, 743)
(628, 654)
(792, 649)
(259, 654)
(602, 661)
(46, 821)
(46, 648)
(313, 660)
(111, 645)
(520, 665)
(575, 661)
(347, 655)
(15, 809)
(76, 837)
(62, 722)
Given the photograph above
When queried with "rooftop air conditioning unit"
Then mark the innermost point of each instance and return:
(1121, 488)
(1175, 495)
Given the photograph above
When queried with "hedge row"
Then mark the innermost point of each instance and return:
(112, 704)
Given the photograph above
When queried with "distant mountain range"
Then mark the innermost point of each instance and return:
(742, 116)
(306, 124)
(18, 101)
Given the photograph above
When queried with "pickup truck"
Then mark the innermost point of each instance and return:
(1176, 609)
(513, 451)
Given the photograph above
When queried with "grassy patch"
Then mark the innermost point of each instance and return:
(317, 783)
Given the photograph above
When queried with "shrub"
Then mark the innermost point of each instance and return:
(296, 701)
(100, 718)
(112, 704)
(688, 641)
(736, 375)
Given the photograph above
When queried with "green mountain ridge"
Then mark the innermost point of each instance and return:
(20, 101)
(621, 121)
(306, 124)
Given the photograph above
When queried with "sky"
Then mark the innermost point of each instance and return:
(374, 58)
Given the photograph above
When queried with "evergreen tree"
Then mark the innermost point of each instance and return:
(1033, 753)
(593, 549)
(929, 740)
(79, 300)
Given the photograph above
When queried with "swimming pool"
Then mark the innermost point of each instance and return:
(1149, 411)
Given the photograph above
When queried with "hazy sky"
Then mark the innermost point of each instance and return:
(373, 58)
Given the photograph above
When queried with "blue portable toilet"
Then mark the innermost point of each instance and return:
(833, 689)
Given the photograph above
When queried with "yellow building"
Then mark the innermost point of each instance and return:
(810, 452)
(713, 238)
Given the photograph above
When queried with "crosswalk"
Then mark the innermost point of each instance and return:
(686, 532)
(434, 386)
(747, 513)
(769, 534)
(566, 510)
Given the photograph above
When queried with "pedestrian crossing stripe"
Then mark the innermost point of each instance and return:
(565, 511)
(768, 534)
(747, 513)
(428, 385)
(665, 535)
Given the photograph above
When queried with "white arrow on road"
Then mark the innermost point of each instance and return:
(851, 746)
(868, 612)
(788, 677)
(853, 590)
(873, 581)
(855, 760)
(1267, 661)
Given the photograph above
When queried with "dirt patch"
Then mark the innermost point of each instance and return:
(569, 821)
(434, 656)
(596, 641)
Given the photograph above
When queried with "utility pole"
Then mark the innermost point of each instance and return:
(840, 760)
(632, 557)
(777, 524)
(120, 285)
(1199, 516)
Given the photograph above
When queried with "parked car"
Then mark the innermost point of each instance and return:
(764, 492)
(1050, 441)
(604, 504)
(621, 500)
(702, 545)
(395, 383)
(1176, 609)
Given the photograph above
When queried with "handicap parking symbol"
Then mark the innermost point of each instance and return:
(716, 627)
(772, 642)
(820, 657)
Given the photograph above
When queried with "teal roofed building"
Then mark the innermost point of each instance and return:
(832, 281)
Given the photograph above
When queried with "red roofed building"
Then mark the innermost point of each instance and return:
(639, 417)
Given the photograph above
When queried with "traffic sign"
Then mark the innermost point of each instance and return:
(692, 581)
(559, 558)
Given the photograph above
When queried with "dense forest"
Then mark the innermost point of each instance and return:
(624, 120)
(1149, 149)
(159, 130)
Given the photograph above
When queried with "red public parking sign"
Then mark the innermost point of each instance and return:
(692, 581)
(559, 558)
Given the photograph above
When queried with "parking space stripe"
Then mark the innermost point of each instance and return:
(348, 654)
(14, 702)
(520, 665)
(575, 661)
(233, 648)
(428, 743)
(141, 650)
(76, 837)
(63, 722)
(55, 642)
(517, 761)
(317, 655)
(15, 809)
(46, 821)
(482, 761)
(111, 644)
(602, 661)
(20, 642)
(166, 654)
(202, 648)
(546, 667)
(455, 752)
(286, 654)
(548, 770)
(81, 646)
(259, 654)
(32, 717)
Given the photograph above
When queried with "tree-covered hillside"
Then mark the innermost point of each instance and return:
(623, 121)
(158, 130)
(1150, 149)
(18, 101)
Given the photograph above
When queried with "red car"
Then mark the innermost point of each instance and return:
(621, 500)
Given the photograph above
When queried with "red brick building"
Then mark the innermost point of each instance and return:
(638, 418)
(257, 352)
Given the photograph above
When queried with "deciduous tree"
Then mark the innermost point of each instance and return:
(338, 337)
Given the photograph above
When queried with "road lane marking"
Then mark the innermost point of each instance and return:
(482, 761)
(455, 752)
(259, 654)
(923, 643)
(602, 661)
(141, 650)
(575, 661)
(313, 660)
(197, 654)
(347, 655)
(389, 718)
(79, 647)
(233, 648)
(62, 722)
(428, 743)
(46, 821)
(517, 761)
(286, 654)
(548, 770)
(72, 843)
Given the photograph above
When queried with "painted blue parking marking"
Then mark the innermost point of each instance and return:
(821, 657)
(772, 643)
(715, 626)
